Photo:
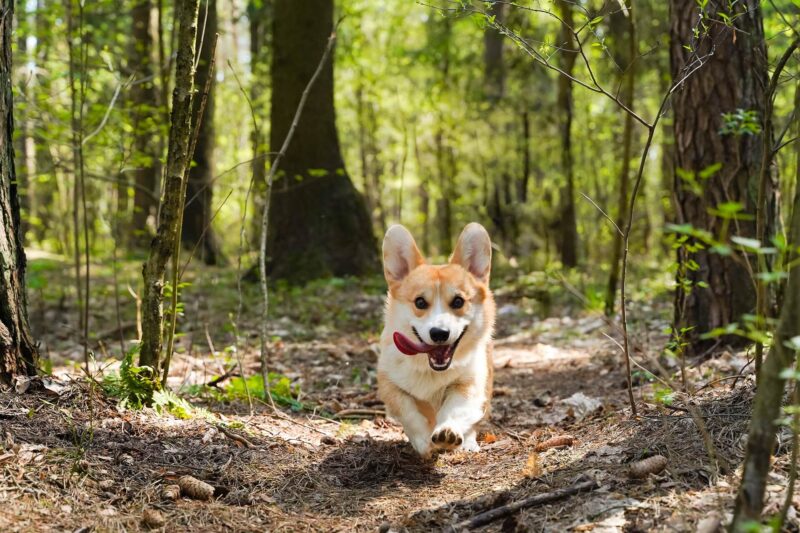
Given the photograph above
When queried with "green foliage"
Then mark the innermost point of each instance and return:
(740, 122)
(283, 392)
(663, 395)
(166, 401)
(280, 388)
(677, 341)
(134, 385)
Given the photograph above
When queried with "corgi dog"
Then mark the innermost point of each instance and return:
(435, 368)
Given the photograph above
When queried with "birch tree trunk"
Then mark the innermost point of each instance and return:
(761, 440)
(163, 245)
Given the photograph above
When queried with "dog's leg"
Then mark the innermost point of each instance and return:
(416, 416)
(464, 406)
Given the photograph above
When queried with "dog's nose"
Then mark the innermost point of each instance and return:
(439, 335)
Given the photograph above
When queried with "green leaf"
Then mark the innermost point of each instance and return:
(793, 343)
(746, 242)
(710, 171)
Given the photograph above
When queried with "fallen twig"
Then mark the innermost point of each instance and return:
(511, 508)
(229, 373)
(356, 413)
(233, 436)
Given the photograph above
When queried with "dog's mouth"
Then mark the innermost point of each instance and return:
(439, 355)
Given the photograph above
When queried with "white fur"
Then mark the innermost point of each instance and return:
(457, 411)
(414, 376)
(440, 317)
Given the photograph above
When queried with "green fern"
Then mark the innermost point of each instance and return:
(134, 385)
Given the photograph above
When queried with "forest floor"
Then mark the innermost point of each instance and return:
(71, 459)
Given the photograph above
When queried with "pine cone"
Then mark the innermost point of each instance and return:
(651, 465)
(196, 489)
(171, 492)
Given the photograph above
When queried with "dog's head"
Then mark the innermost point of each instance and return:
(435, 309)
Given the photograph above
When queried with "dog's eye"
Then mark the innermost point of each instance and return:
(420, 303)
(457, 303)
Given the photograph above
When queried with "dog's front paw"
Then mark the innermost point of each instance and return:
(446, 438)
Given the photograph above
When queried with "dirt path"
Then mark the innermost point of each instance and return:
(70, 463)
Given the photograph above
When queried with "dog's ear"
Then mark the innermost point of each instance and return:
(474, 251)
(400, 254)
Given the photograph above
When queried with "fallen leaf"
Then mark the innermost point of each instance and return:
(532, 467)
(489, 438)
(582, 405)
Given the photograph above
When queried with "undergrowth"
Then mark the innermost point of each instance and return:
(283, 392)
(137, 387)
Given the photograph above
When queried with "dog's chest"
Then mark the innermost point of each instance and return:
(418, 380)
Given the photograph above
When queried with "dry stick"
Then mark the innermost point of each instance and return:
(115, 272)
(540, 499)
(176, 253)
(768, 152)
(255, 160)
(84, 53)
(262, 256)
(77, 129)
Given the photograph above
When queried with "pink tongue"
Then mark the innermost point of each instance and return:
(409, 347)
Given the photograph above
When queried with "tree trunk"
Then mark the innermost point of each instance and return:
(377, 167)
(623, 29)
(767, 408)
(733, 78)
(424, 193)
(363, 152)
(196, 229)
(163, 244)
(18, 353)
(525, 148)
(259, 12)
(495, 73)
(568, 241)
(443, 207)
(143, 100)
(319, 223)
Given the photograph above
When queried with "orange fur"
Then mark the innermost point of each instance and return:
(451, 402)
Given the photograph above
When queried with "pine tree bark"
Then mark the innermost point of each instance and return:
(18, 353)
(568, 241)
(143, 111)
(196, 228)
(163, 244)
(319, 225)
(733, 78)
